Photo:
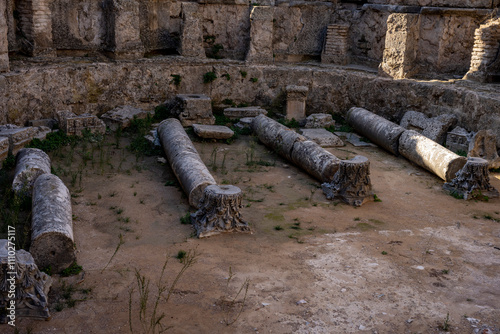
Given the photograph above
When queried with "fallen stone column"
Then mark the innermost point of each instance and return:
(52, 243)
(31, 163)
(382, 132)
(187, 165)
(351, 183)
(472, 181)
(430, 155)
(305, 153)
(29, 285)
(219, 211)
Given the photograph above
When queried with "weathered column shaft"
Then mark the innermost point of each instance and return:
(261, 35)
(30, 164)
(36, 26)
(430, 155)
(4, 43)
(124, 35)
(185, 161)
(401, 44)
(305, 153)
(382, 132)
(191, 33)
(52, 243)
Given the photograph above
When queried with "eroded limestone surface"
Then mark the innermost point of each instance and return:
(30, 164)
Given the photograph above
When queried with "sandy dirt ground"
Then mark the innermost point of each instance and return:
(419, 261)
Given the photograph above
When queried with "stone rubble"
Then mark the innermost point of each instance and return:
(434, 128)
(483, 145)
(74, 125)
(120, 117)
(314, 121)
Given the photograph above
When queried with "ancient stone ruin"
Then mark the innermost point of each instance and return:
(314, 82)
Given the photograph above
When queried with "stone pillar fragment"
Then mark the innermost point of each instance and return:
(191, 32)
(124, 35)
(4, 44)
(401, 43)
(430, 155)
(219, 211)
(382, 132)
(35, 19)
(472, 181)
(30, 164)
(185, 161)
(31, 286)
(351, 183)
(261, 35)
(296, 102)
(52, 243)
(485, 51)
(336, 48)
(484, 145)
(305, 153)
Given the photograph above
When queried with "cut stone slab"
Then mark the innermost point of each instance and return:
(212, 131)
(193, 109)
(354, 139)
(322, 137)
(234, 113)
(245, 123)
(18, 137)
(319, 121)
(73, 125)
(120, 117)
(31, 285)
(434, 128)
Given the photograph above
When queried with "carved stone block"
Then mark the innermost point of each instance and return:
(193, 109)
(322, 137)
(314, 121)
(261, 35)
(73, 125)
(191, 44)
(18, 137)
(472, 181)
(244, 112)
(458, 140)
(213, 131)
(31, 286)
(120, 117)
(351, 183)
(296, 102)
(219, 211)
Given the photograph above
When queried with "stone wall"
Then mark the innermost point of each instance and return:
(35, 25)
(38, 92)
(4, 44)
(441, 3)
(485, 55)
